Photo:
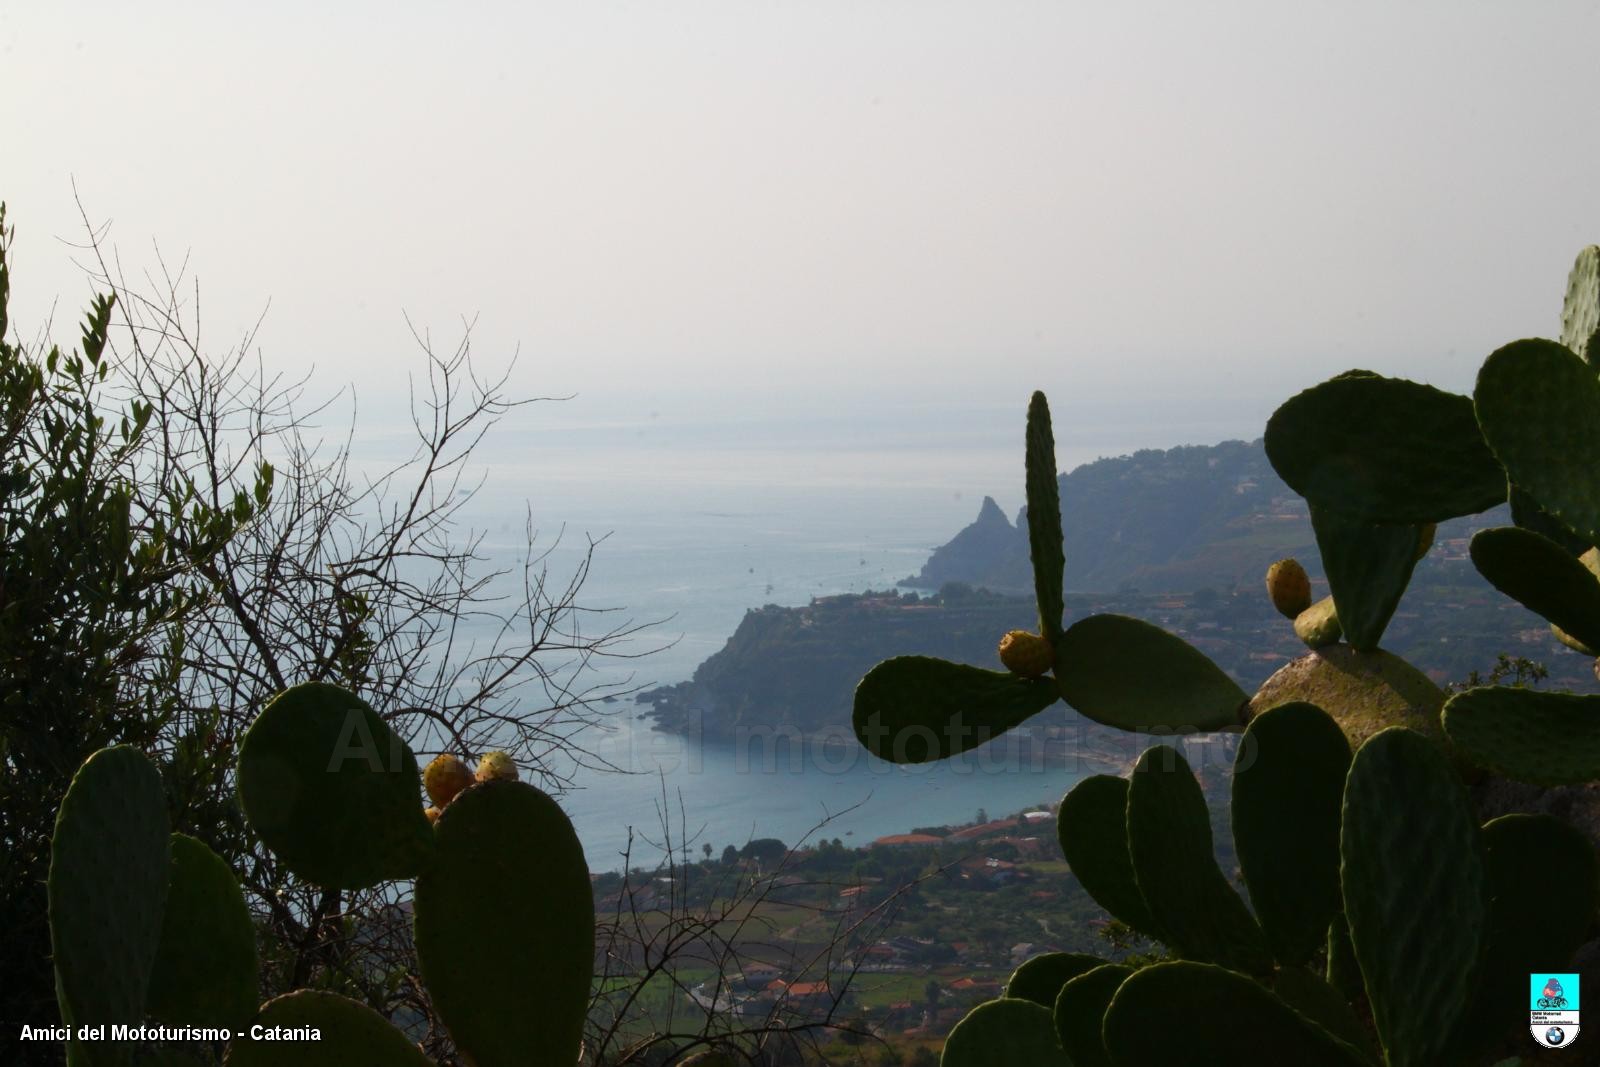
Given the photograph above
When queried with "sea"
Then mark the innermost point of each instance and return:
(699, 512)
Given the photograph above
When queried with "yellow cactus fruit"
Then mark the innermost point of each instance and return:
(444, 778)
(432, 814)
(1026, 654)
(496, 765)
(1289, 587)
(1425, 534)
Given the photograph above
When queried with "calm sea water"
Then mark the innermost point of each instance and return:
(705, 516)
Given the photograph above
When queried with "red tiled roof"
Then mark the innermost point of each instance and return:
(909, 839)
(986, 828)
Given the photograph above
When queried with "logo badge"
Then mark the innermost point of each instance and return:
(1553, 1009)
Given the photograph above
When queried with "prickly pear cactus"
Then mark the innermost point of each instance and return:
(1364, 692)
(205, 972)
(145, 923)
(1289, 587)
(1080, 1012)
(349, 1034)
(1092, 827)
(1534, 923)
(1116, 670)
(1318, 625)
(1384, 450)
(1543, 577)
(1002, 1032)
(1580, 312)
(1420, 937)
(1044, 518)
(332, 790)
(505, 926)
(915, 709)
(1288, 795)
(1127, 673)
(444, 777)
(1169, 842)
(1544, 738)
(496, 766)
(1417, 915)
(1354, 831)
(1548, 456)
(1040, 979)
(109, 864)
(1368, 566)
(1208, 1016)
(1027, 654)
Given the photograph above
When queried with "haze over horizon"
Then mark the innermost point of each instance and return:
(1166, 216)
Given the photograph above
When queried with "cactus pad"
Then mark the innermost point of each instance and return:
(108, 888)
(1539, 405)
(1080, 1012)
(504, 923)
(1537, 921)
(1364, 692)
(1288, 796)
(1197, 1015)
(1314, 997)
(1044, 519)
(1384, 450)
(1573, 643)
(1343, 973)
(915, 709)
(1169, 841)
(1544, 738)
(1126, 673)
(1415, 892)
(332, 790)
(1041, 978)
(1318, 625)
(1092, 828)
(1526, 513)
(1004, 1031)
(1543, 577)
(205, 973)
(351, 1034)
(1368, 568)
(1580, 312)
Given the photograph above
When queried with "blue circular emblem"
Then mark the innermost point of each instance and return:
(1555, 1035)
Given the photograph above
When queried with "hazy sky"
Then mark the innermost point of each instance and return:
(1206, 204)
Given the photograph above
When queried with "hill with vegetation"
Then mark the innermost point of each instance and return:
(1179, 519)
(1181, 538)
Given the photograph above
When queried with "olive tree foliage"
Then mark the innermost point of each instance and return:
(180, 543)
(98, 577)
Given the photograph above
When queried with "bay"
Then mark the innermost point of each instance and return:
(702, 514)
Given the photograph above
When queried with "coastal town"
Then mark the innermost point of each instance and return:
(892, 941)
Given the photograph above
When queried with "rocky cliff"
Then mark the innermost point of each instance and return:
(1176, 519)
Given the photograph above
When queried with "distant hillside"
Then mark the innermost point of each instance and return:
(1182, 538)
(797, 668)
(1196, 517)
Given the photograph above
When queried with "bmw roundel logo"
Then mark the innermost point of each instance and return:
(1555, 1035)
